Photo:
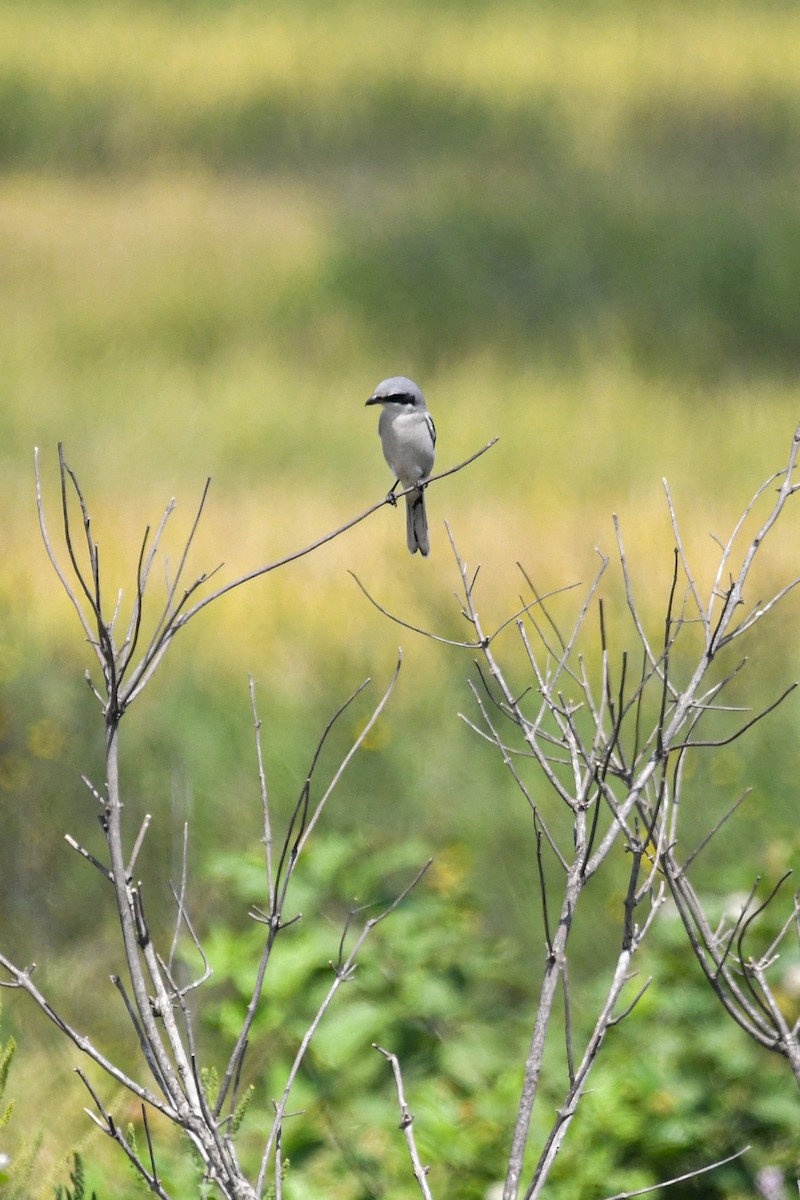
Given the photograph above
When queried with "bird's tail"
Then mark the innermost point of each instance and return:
(417, 523)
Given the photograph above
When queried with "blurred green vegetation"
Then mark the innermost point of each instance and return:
(220, 224)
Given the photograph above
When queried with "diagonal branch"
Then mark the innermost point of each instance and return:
(343, 973)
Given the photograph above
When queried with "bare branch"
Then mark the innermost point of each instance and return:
(407, 1123)
(321, 541)
(344, 972)
(291, 853)
(680, 1178)
(632, 607)
(22, 979)
(684, 560)
(742, 728)
(180, 896)
(137, 845)
(89, 857)
(48, 545)
(262, 784)
(716, 828)
(110, 1127)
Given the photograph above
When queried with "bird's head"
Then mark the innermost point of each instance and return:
(398, 391)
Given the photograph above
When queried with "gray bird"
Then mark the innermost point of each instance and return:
(408, 437)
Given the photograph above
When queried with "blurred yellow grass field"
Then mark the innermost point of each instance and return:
(189, 57)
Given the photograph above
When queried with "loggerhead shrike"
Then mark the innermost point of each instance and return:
(408, 437)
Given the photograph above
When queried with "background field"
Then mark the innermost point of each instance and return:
(576, 225)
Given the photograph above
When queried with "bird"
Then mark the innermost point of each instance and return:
(408, 438)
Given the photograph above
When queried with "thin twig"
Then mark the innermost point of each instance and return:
(275, 915)
(680, 1178)
(101, 867)
(180, 896)
(344, 972)
(262, 786)
(321, 541)
(137, 845)
(407, 1123)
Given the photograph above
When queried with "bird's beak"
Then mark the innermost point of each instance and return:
(373, 400)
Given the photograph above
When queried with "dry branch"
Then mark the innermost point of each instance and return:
(154, 1001)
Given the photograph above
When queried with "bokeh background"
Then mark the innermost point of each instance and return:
(576, 225)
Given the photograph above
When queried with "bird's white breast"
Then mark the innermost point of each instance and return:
(407, 444)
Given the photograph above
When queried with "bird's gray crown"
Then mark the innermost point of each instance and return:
(398, 389)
